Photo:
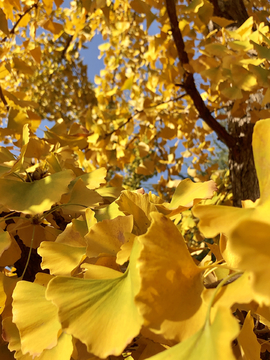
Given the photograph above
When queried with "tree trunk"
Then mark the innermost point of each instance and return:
(241, 162)
(238, 137)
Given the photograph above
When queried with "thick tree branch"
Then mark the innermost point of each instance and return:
(189, 83)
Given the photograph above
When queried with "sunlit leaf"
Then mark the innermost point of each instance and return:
(35, 317)
(107, 236)
(60, 259)
(186, 195)
(105, 307)
(212, 341)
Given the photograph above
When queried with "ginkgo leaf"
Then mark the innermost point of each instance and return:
(248, 341)
(3, 295)
(37, 196)
(186, 195)
(35, 317)
(5, 241)
(170, 296)
(249, 241)
(81, 197)
(107, 236)
(3, 23)
(211, 342)
(60, 259)
(92, 180)
(237, 292)
(139, 206)
(109, 212)
(74, 233)
(105, 307)
(221, 219)
(62, 350)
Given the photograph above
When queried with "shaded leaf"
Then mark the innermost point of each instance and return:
(170, 296)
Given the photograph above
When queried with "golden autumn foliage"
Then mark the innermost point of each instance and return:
(91, 267)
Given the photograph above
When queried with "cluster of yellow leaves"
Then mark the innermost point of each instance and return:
(121, 280)
(117, 278)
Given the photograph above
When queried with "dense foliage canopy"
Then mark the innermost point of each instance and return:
(91, 267)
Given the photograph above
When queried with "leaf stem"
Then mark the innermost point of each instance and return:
(30, 251)
(223, 282)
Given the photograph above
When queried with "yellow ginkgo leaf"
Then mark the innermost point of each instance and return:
(249, 240)
(216, 219)
(62, 350)
(37, 196)
(250, 346)
(107, 236)
(92, 180)
(105, 307)
(170, 296)
(211, 342)
(186, 195)
(139, 206)
(35, 317)
(81, 197)
(60, 259)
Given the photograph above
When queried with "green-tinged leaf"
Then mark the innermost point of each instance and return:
(37, 196)
(81, 197)
(5, 241)
(170, 296)
(92, 180)
(211, 342)
(35, 317)
(98, 272)
(107, 236)
(60, 259)
(109, 212)
(106, 308)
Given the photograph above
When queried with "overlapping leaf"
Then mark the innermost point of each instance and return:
(106, 308)
(37, 196)
(221, 219)
(212, 341)
(170, 295)
(35, 317)
(107, 236)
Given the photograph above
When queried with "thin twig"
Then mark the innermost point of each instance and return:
(141, 111)
(21, 16)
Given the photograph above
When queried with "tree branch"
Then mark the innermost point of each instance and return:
(2, 97)
(21, 16)
(189, 83)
